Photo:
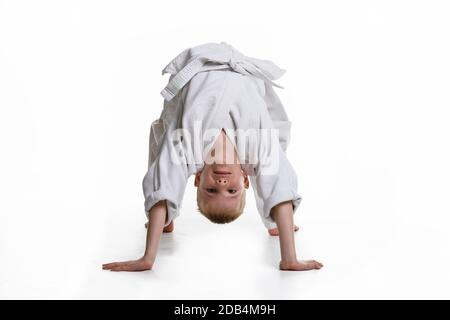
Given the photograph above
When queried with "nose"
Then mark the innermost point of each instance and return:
(222, 181)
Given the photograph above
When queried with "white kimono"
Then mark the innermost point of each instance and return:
(214, 87)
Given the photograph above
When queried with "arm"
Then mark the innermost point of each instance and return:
(283, 216)
(155, 227)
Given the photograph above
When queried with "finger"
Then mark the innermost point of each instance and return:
(109, 265)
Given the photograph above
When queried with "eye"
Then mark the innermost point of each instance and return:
(210, 190)
(232, 191)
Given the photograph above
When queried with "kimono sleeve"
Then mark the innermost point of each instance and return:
(165, 179)
(273, 179)
(273, 186)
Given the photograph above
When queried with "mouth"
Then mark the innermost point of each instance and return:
(221, 172)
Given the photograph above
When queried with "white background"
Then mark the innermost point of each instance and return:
(367, 88)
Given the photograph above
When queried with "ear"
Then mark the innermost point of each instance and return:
(246, 182)
(197, 179)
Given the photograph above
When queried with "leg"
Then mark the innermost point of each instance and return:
(274, 232)
(167, 229)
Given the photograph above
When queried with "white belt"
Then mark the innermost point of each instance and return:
(214, 57)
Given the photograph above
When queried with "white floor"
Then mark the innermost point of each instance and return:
(61, 257)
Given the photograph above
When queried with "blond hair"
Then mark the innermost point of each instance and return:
(221, 215)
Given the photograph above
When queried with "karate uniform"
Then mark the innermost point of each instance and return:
(214, 86)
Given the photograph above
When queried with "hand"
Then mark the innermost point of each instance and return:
(133, 265)
(302, 265)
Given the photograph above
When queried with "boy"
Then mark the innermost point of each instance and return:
(223, 123)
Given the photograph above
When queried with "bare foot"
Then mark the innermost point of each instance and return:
(302, 265)
(167, 229)
(274, 232)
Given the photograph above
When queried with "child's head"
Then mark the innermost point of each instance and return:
(221, 192)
